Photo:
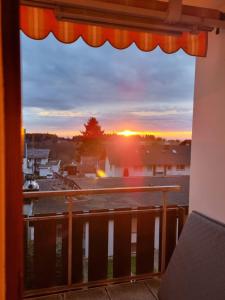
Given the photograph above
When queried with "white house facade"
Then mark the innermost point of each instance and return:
(36, 161)
(157, 160)
(112, 170)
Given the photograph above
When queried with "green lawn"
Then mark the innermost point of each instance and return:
(110, 266)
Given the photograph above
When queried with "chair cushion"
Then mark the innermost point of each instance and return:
(197, 268)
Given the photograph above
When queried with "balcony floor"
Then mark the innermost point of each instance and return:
(141, 290)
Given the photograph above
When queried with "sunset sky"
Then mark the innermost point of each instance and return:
(64, 85)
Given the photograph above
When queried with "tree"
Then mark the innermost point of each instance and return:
(92, 129)
(92, 139)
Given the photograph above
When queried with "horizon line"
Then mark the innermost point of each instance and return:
(158, 134)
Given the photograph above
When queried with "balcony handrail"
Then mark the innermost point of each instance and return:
(69, 194)
(73, 193)
(111, 213)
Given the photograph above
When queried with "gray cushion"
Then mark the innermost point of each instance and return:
(197, 268)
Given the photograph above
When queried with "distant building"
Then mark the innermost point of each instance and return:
(186, 143)
(50, 168)
(35, 158)
(70, 169)
(155, 160)
(36, 162)
(90, 165)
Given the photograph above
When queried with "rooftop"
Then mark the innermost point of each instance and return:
(127, 155)
(110, 201)
(37, 153)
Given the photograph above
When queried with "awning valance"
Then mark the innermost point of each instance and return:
(38, 22)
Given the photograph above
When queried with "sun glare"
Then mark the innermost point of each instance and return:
(127, 133)
(162, 134)
(101, 173)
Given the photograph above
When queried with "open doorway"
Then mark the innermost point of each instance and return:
(140, 109)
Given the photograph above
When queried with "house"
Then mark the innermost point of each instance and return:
(37, 162)
(70, 169)
(54, 165)
(155, 160)
(49, 168)
(35, 159)
(89, 166)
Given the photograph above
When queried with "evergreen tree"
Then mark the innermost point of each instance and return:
(92, 139)
(92, 129)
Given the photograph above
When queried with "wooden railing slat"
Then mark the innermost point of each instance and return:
(145, 243)
(44, 253)
(182, 212)
(98, 248)
(77, 250)
(64, 255)
(122, 246)
(171, 234)
(26, 256)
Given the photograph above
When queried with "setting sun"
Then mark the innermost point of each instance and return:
(162, 134)
(128, 133)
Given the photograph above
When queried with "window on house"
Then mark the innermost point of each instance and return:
(180, 167)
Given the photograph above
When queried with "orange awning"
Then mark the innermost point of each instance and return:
(37, 23)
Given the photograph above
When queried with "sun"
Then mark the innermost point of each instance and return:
(127, 132)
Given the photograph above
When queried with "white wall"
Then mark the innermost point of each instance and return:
(44, 161)
(207, 185)
(90, 175)
(159, 170)
(133, 172)
(43, 172)
(55, 168)
(174, 172)
(114, 171)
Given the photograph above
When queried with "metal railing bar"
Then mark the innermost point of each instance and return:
(44, 218)
(70, 239)
(104, 213)
(124, 212)
(71, 193)
(164, 217)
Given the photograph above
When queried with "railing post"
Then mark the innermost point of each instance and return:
(164, 229)
(70, 238)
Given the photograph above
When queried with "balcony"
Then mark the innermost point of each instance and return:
(70, 251)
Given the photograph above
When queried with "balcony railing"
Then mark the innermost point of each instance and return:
(91, 248)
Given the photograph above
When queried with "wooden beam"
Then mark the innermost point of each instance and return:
(174, 11)
(134, 4)
(118, 21)
(191, 16)
(12, 149)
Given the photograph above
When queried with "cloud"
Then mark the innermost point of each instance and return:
(158, 113)
(61, 113)
(65, 84)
